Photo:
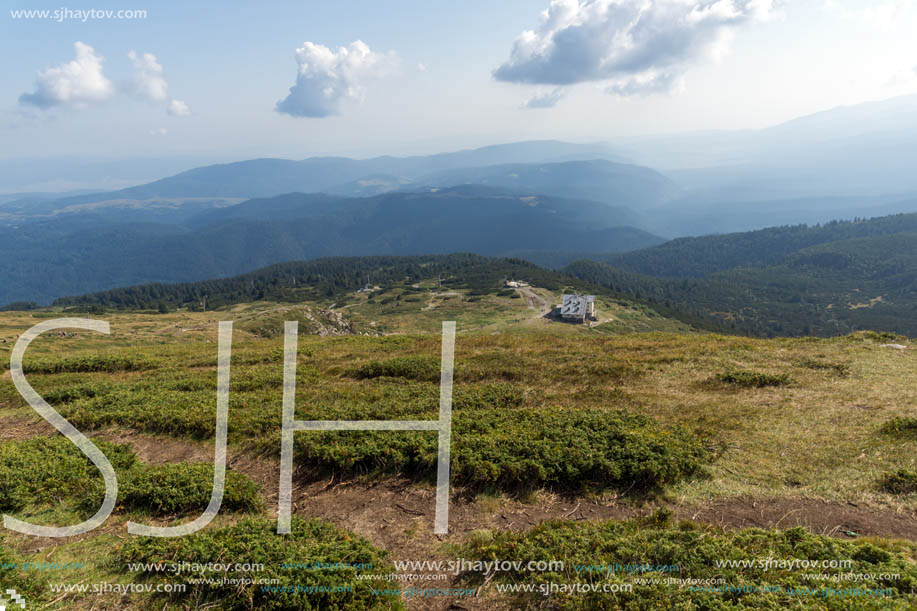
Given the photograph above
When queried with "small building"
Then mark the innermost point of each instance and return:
(577, 307)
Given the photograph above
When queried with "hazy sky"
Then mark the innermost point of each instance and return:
(231, 80)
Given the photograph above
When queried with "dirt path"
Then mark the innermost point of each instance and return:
(23, 427)
(536, 301)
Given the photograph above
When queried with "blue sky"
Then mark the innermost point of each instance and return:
(424, 78)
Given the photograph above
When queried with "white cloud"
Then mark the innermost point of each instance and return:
(76, 83)
(421, 67)
(639, 46)
(82, 81)
(646, 83)
(887, 15)
(177, 108)
(148, 81)
(326, 78)
(159, 131)
(545, 99)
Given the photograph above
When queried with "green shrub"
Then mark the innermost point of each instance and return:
(426, 368)
(902, 427)
(45, 470)
(753, 379)
(27, 583)
(880, 338)
(691, 551)
(49, 470)
(154, 410)
(839, 369)
(501, 395)
(179, 488)
(521, 449)
(256, 541)
(89, 363)
(901, 481)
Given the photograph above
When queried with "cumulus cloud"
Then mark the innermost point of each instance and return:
(177, 108)
(326, 78)
(76, 83)
(639, 46)
(887, 15)
(646, 83)
(82, 81)
(148, 81)
(545, 99)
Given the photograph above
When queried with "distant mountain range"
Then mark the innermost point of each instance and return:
(614, 183)
(823, 280)
(548, 201)
(865, 149)
(268, 177)
(48, 259)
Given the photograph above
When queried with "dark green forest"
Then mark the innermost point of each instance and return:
(698, 257)
(329, 278)
(830, 289)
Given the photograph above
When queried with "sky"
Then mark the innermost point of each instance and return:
(234, 80)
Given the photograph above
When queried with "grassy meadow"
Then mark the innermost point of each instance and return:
(670, 446)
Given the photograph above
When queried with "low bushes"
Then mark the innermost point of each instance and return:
(501, 395)
(180, 488)
(902, 427)
(690, 551)
(190, 413)
(753, 379)
(901, 481)
(839, 369)
(426, 368)
(256, 541)
(89, 363)
(43, 470)
(28, 584)
(51, 470)
(521, 449)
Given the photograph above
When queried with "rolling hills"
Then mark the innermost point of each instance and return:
(43, 261)
(824, 280)
(598, 180)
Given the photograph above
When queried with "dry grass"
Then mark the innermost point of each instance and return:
(816, 438)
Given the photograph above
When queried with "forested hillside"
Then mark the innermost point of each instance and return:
(697, 257)
(46, 260)
(829, 289)
(328, 278)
